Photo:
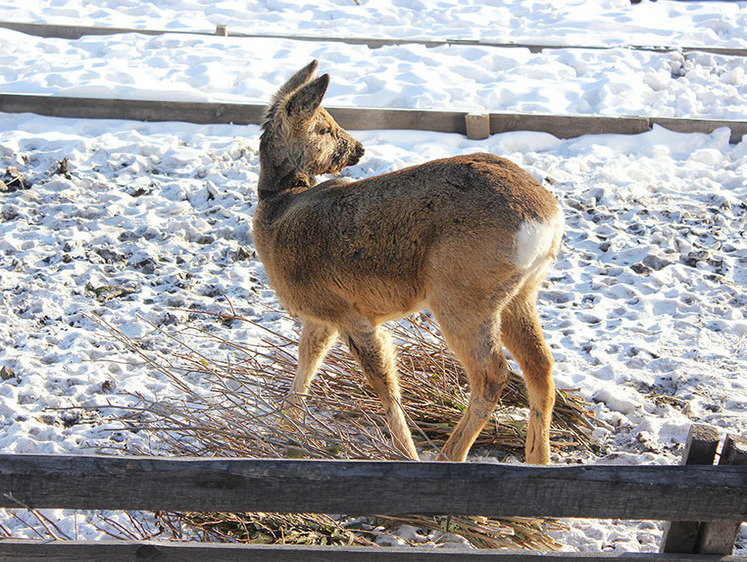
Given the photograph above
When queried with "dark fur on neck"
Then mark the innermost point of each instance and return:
(279, 178)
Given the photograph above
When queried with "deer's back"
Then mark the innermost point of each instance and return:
(374, 244)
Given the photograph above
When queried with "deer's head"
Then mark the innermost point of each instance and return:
(300, 136)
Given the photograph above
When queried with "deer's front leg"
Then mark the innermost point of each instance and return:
(374, 352)
(316, 339)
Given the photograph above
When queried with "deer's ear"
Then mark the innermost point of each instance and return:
(307, 99)
(297, 80)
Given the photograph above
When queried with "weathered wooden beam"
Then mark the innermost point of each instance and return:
(702, 493)
(684, 125)
(718, 537)
(561, 126)
(71, 31)
(568, 126)
(137, 110)
(78, 31)
(79, 551)
(355, 118)
(478, 125)
(207, 112)
(702, 443)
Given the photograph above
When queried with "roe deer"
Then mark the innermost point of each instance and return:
(468, 237)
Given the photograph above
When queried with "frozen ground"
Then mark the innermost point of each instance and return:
(645, 309)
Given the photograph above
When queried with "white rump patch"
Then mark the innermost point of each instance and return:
(536, 241)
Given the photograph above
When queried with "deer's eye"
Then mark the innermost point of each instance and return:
(325, 131)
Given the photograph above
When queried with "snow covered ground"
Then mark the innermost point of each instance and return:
(646, 308)
(617, 81)
(606, 22)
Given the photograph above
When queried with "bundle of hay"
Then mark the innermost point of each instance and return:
(342, 419)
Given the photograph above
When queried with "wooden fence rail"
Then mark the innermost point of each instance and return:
(700, 493)
(78, 31)
(707, 502)
(79, 551)
(561, 126)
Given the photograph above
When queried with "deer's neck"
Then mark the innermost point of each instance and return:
(284, 177)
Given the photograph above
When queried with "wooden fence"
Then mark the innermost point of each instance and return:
(706, 503)
(78, 31)
(474, 125)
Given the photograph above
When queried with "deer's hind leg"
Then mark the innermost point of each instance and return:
(473, 334)
(316, 339)
(521, 332)
(374, 352)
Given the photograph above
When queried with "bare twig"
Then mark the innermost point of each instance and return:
(341, 418)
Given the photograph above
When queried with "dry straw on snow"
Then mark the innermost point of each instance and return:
(342, 419)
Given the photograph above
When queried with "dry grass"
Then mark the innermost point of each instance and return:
(263, 528)
(342, 419)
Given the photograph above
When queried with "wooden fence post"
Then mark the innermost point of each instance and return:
(478, 125)
(682, 536)
(718, 537)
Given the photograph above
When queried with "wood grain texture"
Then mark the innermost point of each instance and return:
(478, 125)
(561, 126)
(567, 126)
(718, 537)
(682, 125)
(78, 31)
(136, 110)
(702, 443)
(702, 493)
(74, 551)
